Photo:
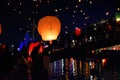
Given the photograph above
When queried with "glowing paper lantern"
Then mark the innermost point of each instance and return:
(0, 28)
(49, 28)
(77, 31)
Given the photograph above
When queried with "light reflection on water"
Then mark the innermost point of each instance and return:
(70, 69)
(75, 69)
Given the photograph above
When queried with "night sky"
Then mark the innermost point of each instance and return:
(19, 16)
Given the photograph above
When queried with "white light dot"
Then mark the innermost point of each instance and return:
(40, 1)
(79, 0)
(86, 18)
(90, 2)
(36, 12)
(81, 11)
(76, 6)
(8, 3)
(14, 9)
(20, 3)
(36, 5)
(20, 12)
(60, 9)
(20, 28)
(107, 13)
(73, 22)
(29, 19)
(28, 31)
(118, 9)
(12, 45)
(48, 1)
(66, 8)
(95, 28)
(56, 10)
(12, 53)
(35, 0)
(66, 32)
(74, 11)
(73, 16)
(84, 24)
(90, 37)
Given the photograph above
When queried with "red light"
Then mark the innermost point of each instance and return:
(104, 61)
(29, 59)
(31, 46)
(41, 49)
(77, 31)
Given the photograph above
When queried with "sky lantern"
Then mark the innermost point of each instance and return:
(77, 31)
(0, 28)
(49, 28)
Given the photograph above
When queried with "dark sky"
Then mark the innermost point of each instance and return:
(18, 16)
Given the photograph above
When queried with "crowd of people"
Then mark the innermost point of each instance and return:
(15, 66)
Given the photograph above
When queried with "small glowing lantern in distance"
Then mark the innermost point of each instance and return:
(49, 28)
(77, 31)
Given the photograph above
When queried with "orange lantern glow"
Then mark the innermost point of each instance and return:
(0, 28)
(77, 31)
(49, 28)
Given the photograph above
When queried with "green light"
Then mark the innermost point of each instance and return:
(117, 16)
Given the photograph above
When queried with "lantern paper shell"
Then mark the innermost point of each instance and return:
(77, 31)
(49, 28)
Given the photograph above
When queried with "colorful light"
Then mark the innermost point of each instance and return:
(117, 16)
(40, 49)
(104, 60)
(31, 47)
